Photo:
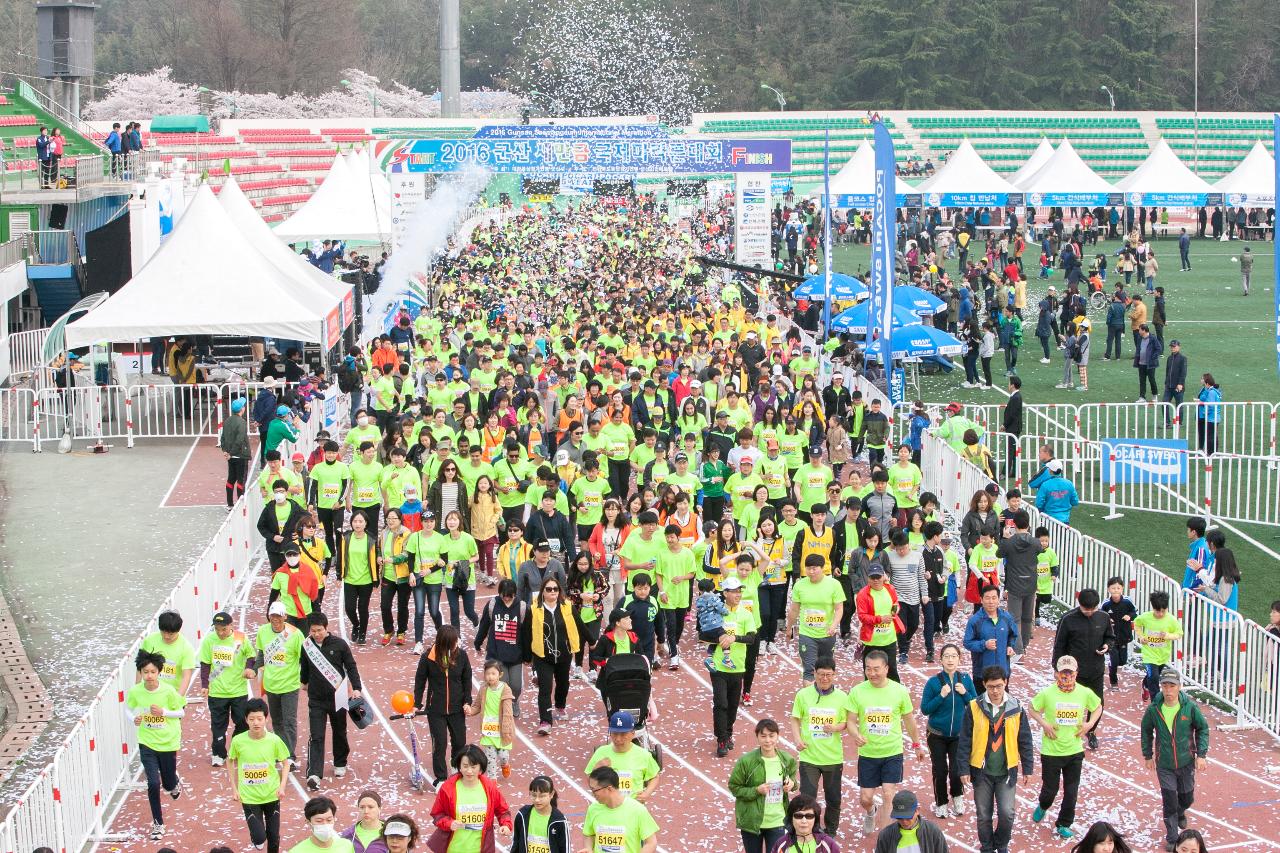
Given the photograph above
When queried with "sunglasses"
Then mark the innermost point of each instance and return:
(804, 816)
(551, 589)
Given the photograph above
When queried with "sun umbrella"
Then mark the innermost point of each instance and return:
(918, 300)
(854, 320)
(844, 288)
(919, 342)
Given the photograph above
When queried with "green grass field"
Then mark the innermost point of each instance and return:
(1222, 332)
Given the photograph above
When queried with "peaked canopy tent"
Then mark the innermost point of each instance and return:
(855, 184)
(1065, 180)
(1037, 159)
(1163, 180)
(346, 206)
(1253, 182)
(311, 286)
(965, 180)
(206, 279)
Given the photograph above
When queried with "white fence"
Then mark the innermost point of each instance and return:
(1231, 658)
(64, 808)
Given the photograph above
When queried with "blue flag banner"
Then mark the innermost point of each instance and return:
(826, 233)
(883, 255)
(1276, 248)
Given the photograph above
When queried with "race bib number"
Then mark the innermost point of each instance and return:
(1069, 714)
(626, 782)
(748, 605)
(278, 659)
(256, 773)
(774, 794)
(1154, 642)
(472, 817)
(817, 481)
(331, 491)
(153, 721)
(814, 618)
(366, 495)
(592, 500)
(818, 719)
(611, 839)
(222, 655)
(989, 564)
(490, 727)
(617, 448)
(773, 478)
(538, 844)
(879, 721)
(905, 486)
(884, 631)
(170, 672)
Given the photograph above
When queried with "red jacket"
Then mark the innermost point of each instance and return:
(596, 544)
(442, 811)
(867, 612)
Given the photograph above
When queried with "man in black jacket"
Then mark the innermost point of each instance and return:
(1012, 424)
(1175, 380)
(278, 522)
(550, 525)
(1085, 634)
(326, 663)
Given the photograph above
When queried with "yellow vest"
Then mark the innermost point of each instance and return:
(811, 543)
(538, 614)
(982, 731)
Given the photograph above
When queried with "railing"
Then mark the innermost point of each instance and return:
(24, 90)
(12, 252)
(1228, 657)
(51, 247)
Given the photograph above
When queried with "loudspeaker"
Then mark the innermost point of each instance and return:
(57, 217)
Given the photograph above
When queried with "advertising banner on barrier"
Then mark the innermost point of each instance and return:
(751, 210)
(600, 156)
(1145, 460)
(883, 245)
(1275, 245)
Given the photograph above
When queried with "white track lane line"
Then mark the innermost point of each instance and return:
(178, 475)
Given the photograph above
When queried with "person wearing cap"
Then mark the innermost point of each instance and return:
(233, 441)
(227, 665)
(909, 831)
(1064, 711)
(879, 709)
(616, 823)
(728, 662)
(878, 615)
(1056, 496)
(279, 653)
(283, 427)
(1175, 381)
(329, 484)
(1175, 743)
(810, 481)
(399, 834)
(995, 743)
(637, 770)
(683, 478)
(953, 428)
(274, 468)
(531, 574)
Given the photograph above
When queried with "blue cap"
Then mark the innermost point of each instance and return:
(621, 722)
(282, 411)
(237, 405)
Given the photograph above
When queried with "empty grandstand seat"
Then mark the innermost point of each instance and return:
(18, 120)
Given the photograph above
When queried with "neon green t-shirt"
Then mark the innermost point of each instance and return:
(879, 711)
(814, 711)
(637, 550)
(673, 565)
(427, 549)
(163, 734)
(281, 654)
(739, 622)
(904, 484)
(257, 776)
(618, 830)
(226, 659)
(1067, 712)
(358, 570)
(178, 656)
(817, 603)
(883, 634)
(469, 812)
(589, 495)
(1046, 562)
(635, 767)
(774, 810)
(813, 481)
(1157, 650)
(366, 480)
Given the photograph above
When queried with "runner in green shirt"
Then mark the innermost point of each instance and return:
(1066, 712)
(511, 479)
(643, 547)
(905, 479)
(636, 767)
(279, 648)
(729, 663)
(616, 823)
(878, 710)
(588, 493)
(817, 602)
(366, 484)
(811, 480)
(1156, 630)
(179, 656)
(258, 770)
(227, 664)
(321, 816)
(330, 482)
(363, 431)
(156, 709)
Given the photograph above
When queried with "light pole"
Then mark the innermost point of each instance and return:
(1110, 97)
(1195, 78)
(782, 101)
(372, 95)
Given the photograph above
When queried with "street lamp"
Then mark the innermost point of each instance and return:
(1110, 97)
(373, 95)
(782, 102)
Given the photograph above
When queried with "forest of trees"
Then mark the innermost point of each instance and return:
(823, 54)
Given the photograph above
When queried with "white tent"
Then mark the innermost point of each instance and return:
(1037, 159)
(1253, 182)
(206, 279)
(1065, 172)
(1162, 172)
(345, 207)
(310, 284)
(965, 173)
(858, 176)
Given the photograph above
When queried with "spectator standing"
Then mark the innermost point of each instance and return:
(1055, 494)
(1146, 358)
(44, 154)
(1208, 414)
(57, 142)
(115, 145)
(1246, 269)
(1184, 245)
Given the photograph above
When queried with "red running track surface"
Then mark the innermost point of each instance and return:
(1237, 798)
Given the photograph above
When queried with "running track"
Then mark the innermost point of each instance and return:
(1238, 798)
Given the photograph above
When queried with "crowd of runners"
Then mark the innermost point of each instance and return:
(592, 453)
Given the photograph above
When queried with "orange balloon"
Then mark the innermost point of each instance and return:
(402, 701)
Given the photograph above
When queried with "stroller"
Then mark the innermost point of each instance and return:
(625, 684)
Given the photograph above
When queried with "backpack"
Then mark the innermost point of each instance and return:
(348, 380)
(1073, 349)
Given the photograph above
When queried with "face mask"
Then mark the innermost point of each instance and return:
(323, 832)
(362, 421)
(281, 498)
(293, 561)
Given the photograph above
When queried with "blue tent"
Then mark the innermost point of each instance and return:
(919, 342)
(844, 288)
(854, 320)
(920, 301)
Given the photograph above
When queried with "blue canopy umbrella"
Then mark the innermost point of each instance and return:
(844, 288)
(919, 341)
(854, 320)
(920, 301)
